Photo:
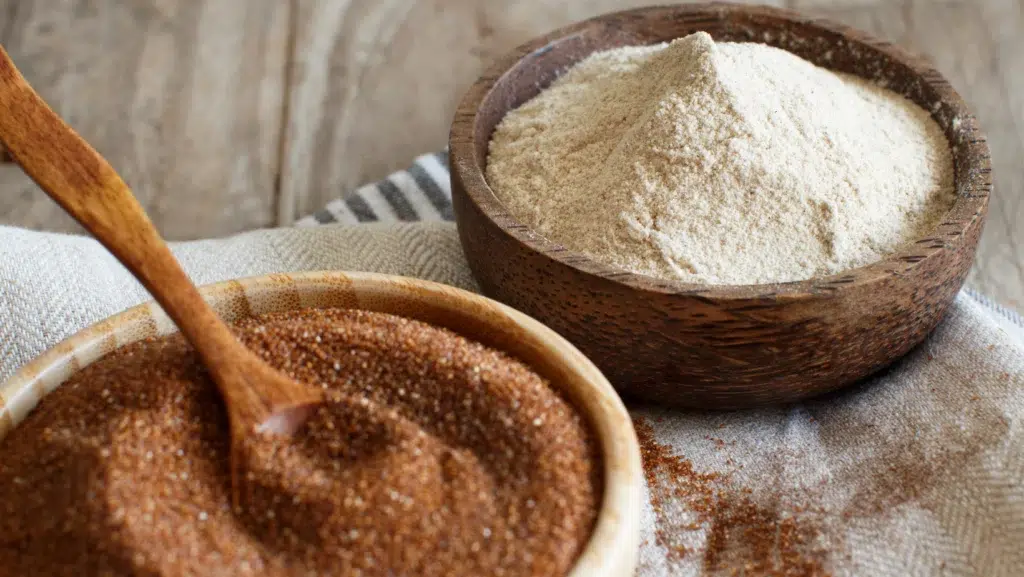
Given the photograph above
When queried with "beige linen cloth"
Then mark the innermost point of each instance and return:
(917, 472)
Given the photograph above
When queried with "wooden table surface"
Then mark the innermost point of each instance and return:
(227, 115)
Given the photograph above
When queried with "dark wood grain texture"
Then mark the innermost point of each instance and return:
(74, 175)
(727, 346)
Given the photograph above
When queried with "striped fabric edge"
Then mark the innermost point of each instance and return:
(995, 307)
(422, 193)
(419, 193)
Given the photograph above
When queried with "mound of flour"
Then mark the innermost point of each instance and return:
(721, 163)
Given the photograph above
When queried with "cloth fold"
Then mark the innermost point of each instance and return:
(919, 470)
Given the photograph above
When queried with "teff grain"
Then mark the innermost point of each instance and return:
(428, 460)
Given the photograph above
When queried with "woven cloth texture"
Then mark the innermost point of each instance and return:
(918, 471)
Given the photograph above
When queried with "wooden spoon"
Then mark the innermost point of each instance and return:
(258, 397)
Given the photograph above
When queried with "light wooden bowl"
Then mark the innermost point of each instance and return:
(719, 346)
(612, 549)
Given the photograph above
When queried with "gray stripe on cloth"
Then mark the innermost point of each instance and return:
(324, 216)
(398, 200)
(359, 208)
(441, 201)
(415, 195)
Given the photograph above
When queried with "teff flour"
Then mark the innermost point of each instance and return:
(721, 163)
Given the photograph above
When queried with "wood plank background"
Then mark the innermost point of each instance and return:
(227, 115)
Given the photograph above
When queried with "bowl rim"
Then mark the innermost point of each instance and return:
(613, 546)
(972, 182)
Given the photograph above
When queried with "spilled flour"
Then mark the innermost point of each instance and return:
(721, 163)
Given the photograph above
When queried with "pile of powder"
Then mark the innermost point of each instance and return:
(434, 456)
(721, 163)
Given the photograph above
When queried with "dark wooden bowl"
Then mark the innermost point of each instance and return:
(720, 346)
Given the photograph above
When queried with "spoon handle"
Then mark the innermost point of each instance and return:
(74, 175)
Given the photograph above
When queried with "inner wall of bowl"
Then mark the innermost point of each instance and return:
(536, 70)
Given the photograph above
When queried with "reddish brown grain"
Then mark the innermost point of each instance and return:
(434, 456)
(741, 535)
